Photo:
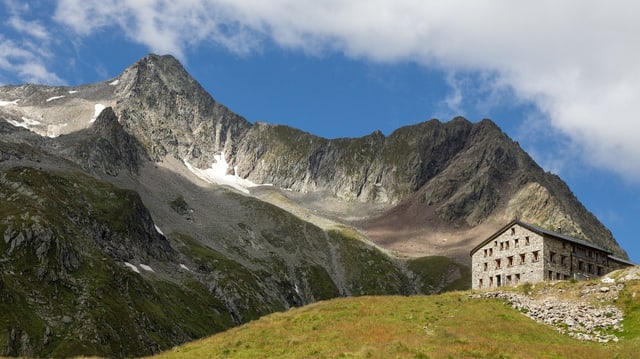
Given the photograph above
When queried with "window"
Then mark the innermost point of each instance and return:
(490, 281)
(526, 240)
(490, 252)
(522, 257)
(535, 255)
(590, 270)
(480, 283)
(495, 243)
(552, 257)
(513, 231)
(558, 276)
(510, 261)
(501, 245)
(580, 265)
(600, 270)
(563, 260)
(508, 279)
(486, 266)
(485, 252)
(550, 275)
(515, 242)
(517, 278)
(506, 245)
(497, 264)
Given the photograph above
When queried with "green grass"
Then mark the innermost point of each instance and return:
(440, 326)
(368, 271)
(438, 274)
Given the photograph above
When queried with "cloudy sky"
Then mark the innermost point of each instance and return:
(560, 77)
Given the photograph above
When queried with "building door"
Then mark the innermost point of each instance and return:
(498, 283)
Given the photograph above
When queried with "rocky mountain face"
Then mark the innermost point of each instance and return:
(123, 238)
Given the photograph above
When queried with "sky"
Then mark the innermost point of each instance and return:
(560, 77)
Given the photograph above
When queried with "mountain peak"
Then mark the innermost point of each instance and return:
(158, 73)
(172, 114)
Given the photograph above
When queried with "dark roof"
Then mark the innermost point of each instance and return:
(540, 231)
(621, 260)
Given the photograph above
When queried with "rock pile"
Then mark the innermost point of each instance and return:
(577, 319)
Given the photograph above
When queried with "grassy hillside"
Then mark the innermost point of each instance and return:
(439, 326)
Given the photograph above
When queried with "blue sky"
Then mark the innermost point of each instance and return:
(561, 78)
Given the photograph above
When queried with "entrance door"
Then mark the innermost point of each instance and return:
(498, 282)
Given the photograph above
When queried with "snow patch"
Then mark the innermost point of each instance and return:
(133, 267)
(113, 83)
(158, 230)
(7, 103)
(97, 108)
(26, 123)
(52, 131)
(184, 267)
(72, 91)
(146, 267)
(217, 174)
(54, 98)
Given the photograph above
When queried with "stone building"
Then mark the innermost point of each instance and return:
(521, 252)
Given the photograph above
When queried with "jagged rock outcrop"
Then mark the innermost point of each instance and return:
(373, 168)
(104, 147)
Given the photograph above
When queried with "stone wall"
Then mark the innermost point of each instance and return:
(514, 256)
(557, 259)
(520, 255)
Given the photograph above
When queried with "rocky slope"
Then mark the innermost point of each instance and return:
(111, 188)
(106, 253)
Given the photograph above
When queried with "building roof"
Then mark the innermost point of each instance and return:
(621, 260)
(542, 231)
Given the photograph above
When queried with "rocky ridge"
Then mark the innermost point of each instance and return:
(455, 175)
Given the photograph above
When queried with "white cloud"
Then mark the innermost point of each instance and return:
(25, 64)
(25, 52)
(31, 28)
(577, 60)
(163, 26)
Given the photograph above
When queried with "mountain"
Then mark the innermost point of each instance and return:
(452, 176)
(139, 213)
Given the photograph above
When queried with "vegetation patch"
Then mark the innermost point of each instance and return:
(439, 274)
(440, 326)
